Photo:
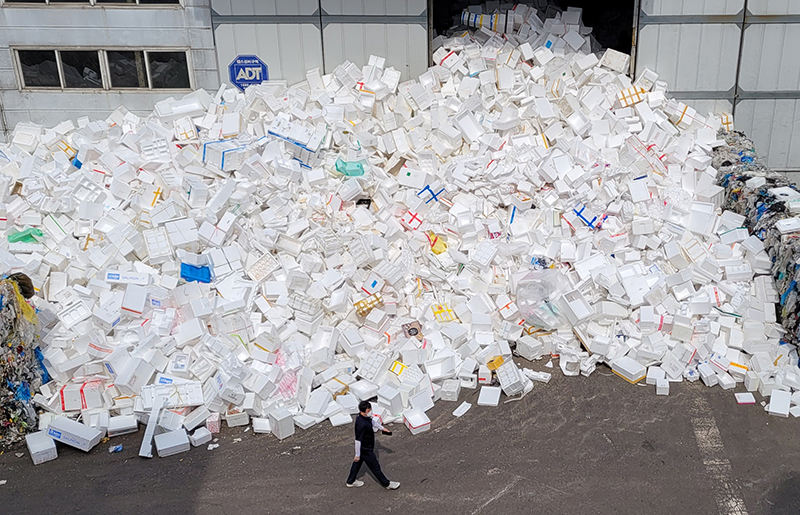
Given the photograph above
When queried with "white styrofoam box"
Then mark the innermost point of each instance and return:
(779, 403)
(422, 400)
(340, 419)
(318, 402)
(261, 425)
(662, 387)
(122, 425)
(451, 388)
(629, 369)
(364, 390)
(173, 442)
(281, 423)
(390, 397)
(73, 433)
(489, 396)
(196, 418)
(41, 447)
(654, 374)
(416, 421)
(751, 381)
(199, 437)
(237, 417)
(349, 403)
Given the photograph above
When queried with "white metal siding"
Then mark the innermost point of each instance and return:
(694, 45)
(375, 7)
(94, 28)
(673, 7)
(405, 47)
(770, 60)
(774, 127)
(264, 7)
(760, 7)
(690, 57)
(287, 49)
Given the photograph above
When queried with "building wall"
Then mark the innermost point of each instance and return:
(99, 27)
(734, 56)
(292, 36)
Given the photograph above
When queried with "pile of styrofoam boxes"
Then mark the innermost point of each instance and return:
(271, 289)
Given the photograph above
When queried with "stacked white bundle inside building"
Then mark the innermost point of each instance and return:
(514, 152)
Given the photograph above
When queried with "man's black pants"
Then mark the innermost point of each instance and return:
(368, 457)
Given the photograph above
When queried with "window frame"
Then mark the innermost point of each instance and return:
(105, 70)
(24, 4)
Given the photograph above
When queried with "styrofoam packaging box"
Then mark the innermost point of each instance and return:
(213, 422)
(172, 442)
(779, 403)
(237, 417)
(629, 369)
(416, 421)
(261, 425)
(489, 396)
(41, 447)
(74, 434)
(196, 418)
(199, 437)
(122, 425)
(281, 423)
(451, 388)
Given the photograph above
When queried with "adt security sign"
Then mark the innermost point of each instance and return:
(247, 70)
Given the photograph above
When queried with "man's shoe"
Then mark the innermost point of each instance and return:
(393, 485)
(356, 483)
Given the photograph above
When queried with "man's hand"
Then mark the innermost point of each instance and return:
(356, 459)
(387, 432)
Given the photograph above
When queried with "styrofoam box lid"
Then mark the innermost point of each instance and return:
(415, 418)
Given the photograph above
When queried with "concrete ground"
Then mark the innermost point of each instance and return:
(575, 445)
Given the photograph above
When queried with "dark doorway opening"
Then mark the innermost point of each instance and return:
(611, 20)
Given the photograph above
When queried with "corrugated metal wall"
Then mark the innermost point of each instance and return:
(264, 7)
(404, 46)
(731, 55)
(289, 49)
(374, 7)
(292, 36)
(683, 7)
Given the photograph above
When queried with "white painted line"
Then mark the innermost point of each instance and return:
(499, 494)
(709, 441)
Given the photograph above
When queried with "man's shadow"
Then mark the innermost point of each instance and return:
(379, 449)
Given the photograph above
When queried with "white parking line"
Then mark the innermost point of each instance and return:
(709, 441)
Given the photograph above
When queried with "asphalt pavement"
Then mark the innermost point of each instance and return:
(575, 446)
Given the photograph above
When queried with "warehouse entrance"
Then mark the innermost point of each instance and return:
(612, 21)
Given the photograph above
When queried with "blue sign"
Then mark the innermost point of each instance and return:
(247, 70)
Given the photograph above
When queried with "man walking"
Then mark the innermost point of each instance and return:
(366, 426)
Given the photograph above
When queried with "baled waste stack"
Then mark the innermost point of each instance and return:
(270, 258)
(21, 372)
(770, 204)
